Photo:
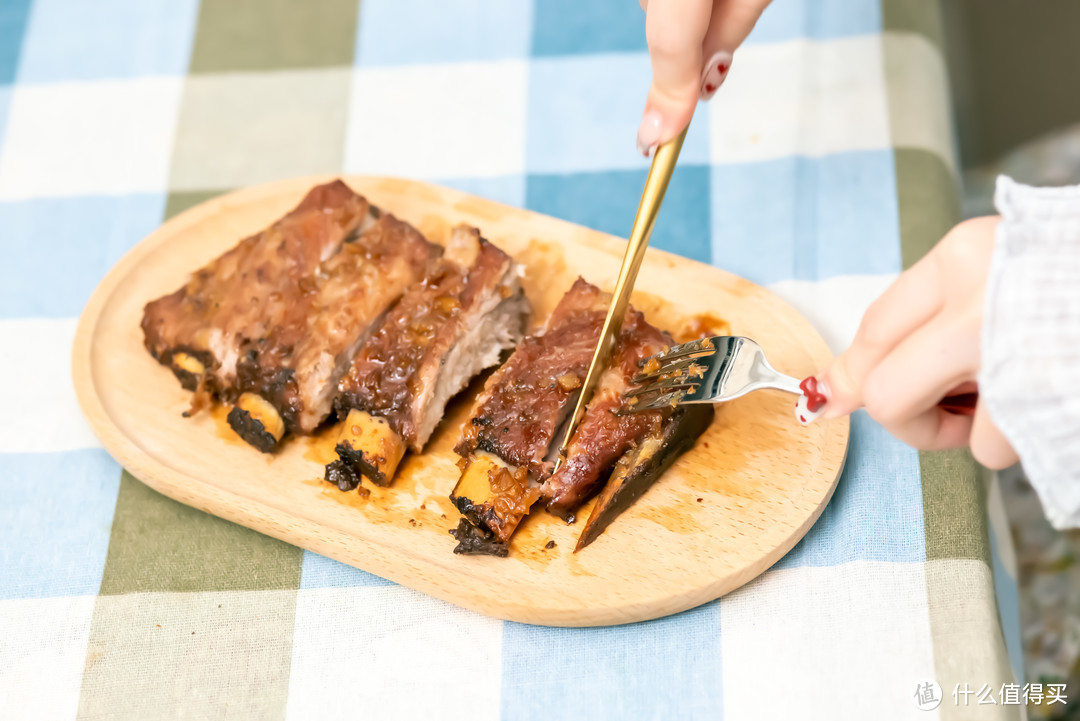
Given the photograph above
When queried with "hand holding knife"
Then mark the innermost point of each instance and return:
(656, 183)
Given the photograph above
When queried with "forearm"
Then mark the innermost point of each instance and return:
(1030, 377)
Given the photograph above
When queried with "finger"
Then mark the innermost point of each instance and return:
(921, 370)
(912, 300)
(933, 430)
(988, 444)
(731, 22)
(675, 31)
(962, 399)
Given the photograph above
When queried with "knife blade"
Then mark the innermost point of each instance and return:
(656, 183)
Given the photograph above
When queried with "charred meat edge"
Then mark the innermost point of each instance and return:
(473, 541)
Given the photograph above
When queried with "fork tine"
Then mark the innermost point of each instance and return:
(663, 386)
(690, 365)
(664, 400)
(701, 347)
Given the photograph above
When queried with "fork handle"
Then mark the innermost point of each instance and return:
(763, 375)
(783, 382)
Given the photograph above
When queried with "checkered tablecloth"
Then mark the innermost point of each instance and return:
(822, 168)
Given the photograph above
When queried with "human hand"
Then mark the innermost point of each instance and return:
(921, 341)
(690, 45)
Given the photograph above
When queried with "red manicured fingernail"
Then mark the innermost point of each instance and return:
(714, 74)
(811, 403)
(814, 391)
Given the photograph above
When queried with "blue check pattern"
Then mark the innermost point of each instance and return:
(794, 177)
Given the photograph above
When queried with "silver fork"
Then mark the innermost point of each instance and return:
(710, 370)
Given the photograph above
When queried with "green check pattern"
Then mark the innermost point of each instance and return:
(822, 169)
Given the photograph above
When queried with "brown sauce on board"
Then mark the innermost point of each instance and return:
(537, 529)
(681, 517)
(219, 412)
(682, 326)
(320, 447)
(702, 325)
(353, 499)
(545, 267)
(401, 507)
(441, 508)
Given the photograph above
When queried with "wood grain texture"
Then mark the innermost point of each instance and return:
(730, 508)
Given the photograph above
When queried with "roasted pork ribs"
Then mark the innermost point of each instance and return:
(508, 446)
(339, 306)
(468, 309)
(272, 325)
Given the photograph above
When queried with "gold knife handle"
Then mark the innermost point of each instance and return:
(656, 183)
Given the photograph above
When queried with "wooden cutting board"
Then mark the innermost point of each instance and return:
(726, 511)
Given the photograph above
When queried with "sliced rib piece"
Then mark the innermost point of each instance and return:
(643, 464)
(296, 365)
(445, 330)
(506, 447)
(272, 324)
(603, 436)
(199, 330)
(524, 403)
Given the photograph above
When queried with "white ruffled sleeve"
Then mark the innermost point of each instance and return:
(1030, 378)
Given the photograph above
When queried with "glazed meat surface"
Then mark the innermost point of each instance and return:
(238, 298)
(602, 436)
(525, 402)
(310, 341)
(467, 310)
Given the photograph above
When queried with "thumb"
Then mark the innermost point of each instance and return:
(668, 110)
(675, 30)
(843, 389)
(832, 393)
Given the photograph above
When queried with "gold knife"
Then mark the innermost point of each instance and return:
(656, 183)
